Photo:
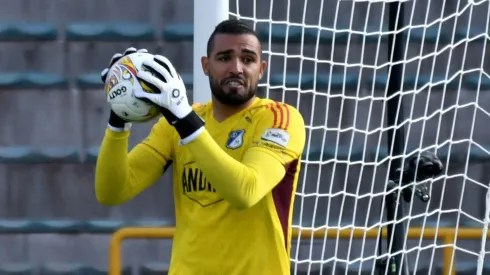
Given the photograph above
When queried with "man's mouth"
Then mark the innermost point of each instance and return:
(234, 82)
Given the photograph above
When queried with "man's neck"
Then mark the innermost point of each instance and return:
(222, 111)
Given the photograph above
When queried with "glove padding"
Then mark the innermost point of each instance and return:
(170, 89)
(171, 95)
(115, 122)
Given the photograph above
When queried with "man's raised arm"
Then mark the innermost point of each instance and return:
(275, 147)
(119, 175)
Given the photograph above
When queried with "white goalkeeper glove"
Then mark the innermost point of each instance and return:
(171, 96)
(172, 92)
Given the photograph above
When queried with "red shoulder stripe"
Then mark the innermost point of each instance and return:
(286, 108)
(283, 118)
(274, 112)
(281, 115)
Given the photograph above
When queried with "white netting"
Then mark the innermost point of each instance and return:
(329, 58)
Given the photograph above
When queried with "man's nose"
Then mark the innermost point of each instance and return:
(236, 66)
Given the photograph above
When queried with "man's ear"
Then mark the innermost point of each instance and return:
(204, 64)
(263, 65)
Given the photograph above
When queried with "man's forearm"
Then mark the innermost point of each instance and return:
(120, 176)
(241, 184)
(111, 175)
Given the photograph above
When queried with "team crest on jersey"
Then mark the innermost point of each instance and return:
(235, 139)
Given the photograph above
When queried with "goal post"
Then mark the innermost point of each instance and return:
(207, 15)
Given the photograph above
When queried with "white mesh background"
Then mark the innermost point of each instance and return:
(347, 120)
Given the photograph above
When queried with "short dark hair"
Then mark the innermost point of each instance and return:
(230, 26)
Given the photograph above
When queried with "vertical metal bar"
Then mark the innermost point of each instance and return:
(396, 138)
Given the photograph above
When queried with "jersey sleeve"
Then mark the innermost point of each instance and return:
(120, 175)
(243, 183)
(280, 131)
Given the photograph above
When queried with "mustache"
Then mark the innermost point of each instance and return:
(239, 78)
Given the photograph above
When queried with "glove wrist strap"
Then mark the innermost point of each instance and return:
(188, 125)
(118, 124)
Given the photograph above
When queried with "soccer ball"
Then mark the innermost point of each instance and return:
(120, 85)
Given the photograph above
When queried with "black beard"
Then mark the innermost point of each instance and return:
(232, 99)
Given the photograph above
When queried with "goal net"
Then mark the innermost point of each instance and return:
(331, 60)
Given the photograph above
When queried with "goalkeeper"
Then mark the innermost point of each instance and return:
(236, 161)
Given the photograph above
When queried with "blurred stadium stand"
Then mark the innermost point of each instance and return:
(53, 116)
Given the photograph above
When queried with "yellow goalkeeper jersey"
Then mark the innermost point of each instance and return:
(233, 186)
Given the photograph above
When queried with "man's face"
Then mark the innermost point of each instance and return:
(234, 68)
